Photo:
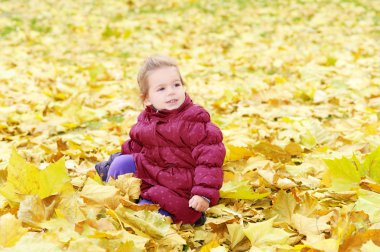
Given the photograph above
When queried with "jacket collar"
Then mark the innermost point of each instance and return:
(153, 112)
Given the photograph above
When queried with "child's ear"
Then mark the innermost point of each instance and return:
(147, 102)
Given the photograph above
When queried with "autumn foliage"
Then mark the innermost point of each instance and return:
(294, 86)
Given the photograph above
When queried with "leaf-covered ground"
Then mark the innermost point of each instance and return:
(295, 86)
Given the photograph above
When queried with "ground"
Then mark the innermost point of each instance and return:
(294, 85)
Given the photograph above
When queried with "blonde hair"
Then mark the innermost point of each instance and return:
(150, 64)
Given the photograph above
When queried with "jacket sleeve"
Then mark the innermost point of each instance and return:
(208, 153)
(132, 145)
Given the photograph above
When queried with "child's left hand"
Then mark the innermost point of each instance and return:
(198, 203)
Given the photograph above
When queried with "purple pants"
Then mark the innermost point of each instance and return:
(121, 165)
(126, 164)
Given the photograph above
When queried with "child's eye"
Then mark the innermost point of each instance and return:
(177, 84)
(161, 89)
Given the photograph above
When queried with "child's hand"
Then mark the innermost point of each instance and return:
(198, 203)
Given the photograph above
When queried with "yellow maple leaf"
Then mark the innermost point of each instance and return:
(33, 210)
(94, 192)
(3, 202)
(69, 208)
(236, 233)
(263, 233)
(59, 230)
(151, 223)
(34, 242)
(341, 174)
(311, 226)
(137, 207)
(368, 202)
(284, 205)
(219, 249)
(25, 178)
(127, 184)
(86, 244)
(209, 246)
(327, 245)
(128, 246)
(11, 230)
(272, 152)
(237, 152)
(357, 240)
(240, 190)
(171, 241)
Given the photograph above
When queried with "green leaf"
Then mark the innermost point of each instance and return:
(343, 174)
(240, 190)
(308, 139)
(363, 172)
(369, 202)
(372, 165)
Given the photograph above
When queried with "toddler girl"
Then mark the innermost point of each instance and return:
(173, 148)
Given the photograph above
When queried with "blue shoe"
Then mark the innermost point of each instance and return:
(102, 169)
(201, 221)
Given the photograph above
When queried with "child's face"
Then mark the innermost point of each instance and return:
(165, 89)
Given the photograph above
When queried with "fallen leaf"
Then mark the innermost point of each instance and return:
(342, 174)
(239, 190)
(272, 152)
(368, 202)
(137, 207)
(151, 223)
(263, 233)
(128, 185)
(70, 208)
(293, 149)
(11, 230)
(236, 233)
(359, 239)
(209, 246)
(370, 247)
(25, 178)
(311, 226)
(95, 192)
(33, 210)
(285, 183)
(284, 205)
(33, 242)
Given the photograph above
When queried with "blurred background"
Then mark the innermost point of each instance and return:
(277, 71)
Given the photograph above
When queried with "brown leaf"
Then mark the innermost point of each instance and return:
(272, 152)
(62, 145)
(293, 149)
(367, 185)
(219, 225)
(137, 207)
(356, 241)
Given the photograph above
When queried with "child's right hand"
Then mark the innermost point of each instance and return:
(199, 203)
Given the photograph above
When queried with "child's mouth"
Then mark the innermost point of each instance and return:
(172, 101)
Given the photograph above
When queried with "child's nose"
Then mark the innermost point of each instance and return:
(172, 90)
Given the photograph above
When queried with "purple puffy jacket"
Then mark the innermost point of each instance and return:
(178, 153)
